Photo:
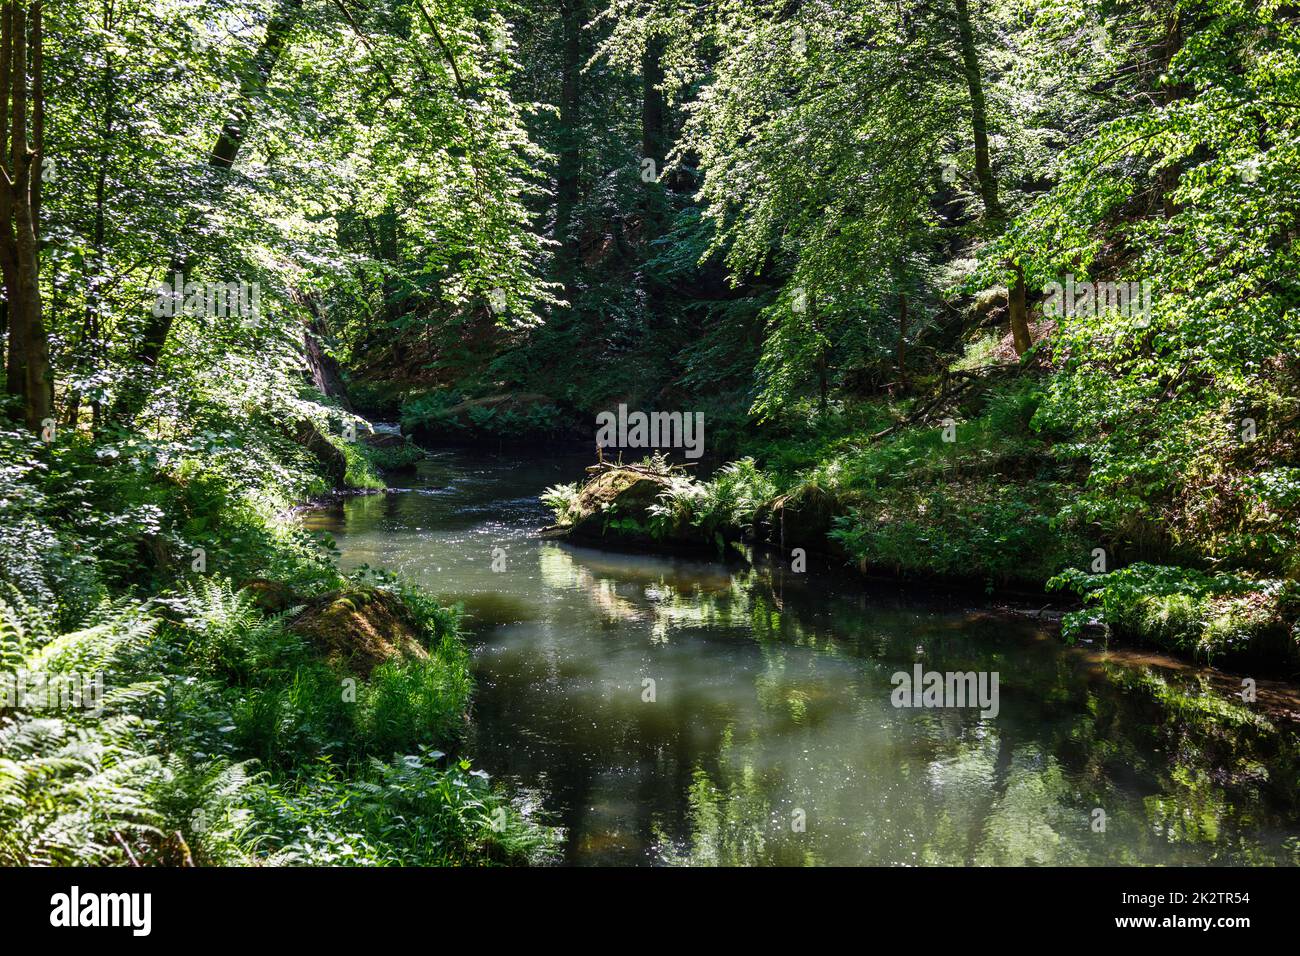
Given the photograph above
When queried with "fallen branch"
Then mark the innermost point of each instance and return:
(954, 386)
(122, 843)
(604, 466)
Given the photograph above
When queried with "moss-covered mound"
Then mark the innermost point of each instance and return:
(614, 503)
(360, 629)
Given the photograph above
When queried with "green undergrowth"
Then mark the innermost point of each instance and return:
(389, 458)
(367, 462)
(1206, 616)
(981, 506)
(449, 414)
(222, 736)
(974, 494)
(363, 471)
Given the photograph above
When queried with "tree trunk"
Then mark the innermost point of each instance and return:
(20, 209)
(27, 171)
(1172, 92)
(1018, 311)
(567, 181)
(993, 213)
(823, 363)
(92, 328)
(16, 365)
(902, 339)
(653, 109)
(823, 383)
(325, 372)
(654, 146)
(654, 142)
(16, 361)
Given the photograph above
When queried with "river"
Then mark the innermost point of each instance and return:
(670, 711)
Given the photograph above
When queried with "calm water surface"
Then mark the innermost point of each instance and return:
(771, 738)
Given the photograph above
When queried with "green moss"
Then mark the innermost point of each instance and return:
(362, 473)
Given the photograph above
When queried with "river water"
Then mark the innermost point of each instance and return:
(669, 711)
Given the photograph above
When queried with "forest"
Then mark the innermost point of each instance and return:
(359, 353)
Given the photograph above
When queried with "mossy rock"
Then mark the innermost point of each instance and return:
(632, 492)
(618, 494)
(360, 629)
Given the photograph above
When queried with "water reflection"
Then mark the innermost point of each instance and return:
(771, 738)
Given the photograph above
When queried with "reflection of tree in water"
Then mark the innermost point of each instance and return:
(1176, 771)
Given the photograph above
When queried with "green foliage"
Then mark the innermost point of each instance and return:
(1192, 193)
(211, 704)
(1001, 534)
(434, 407)
(73, 785)
(1206, 615)
(563, 502)
(165, 768)
(410, 811)
(383, 458)
(982, 506)
(363, 472)
(720, 506)
(409, 701)
(448, 415)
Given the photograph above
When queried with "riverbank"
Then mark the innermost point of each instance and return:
(991, 502)
(978, 476)
(1238, 621)
(254, 705)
